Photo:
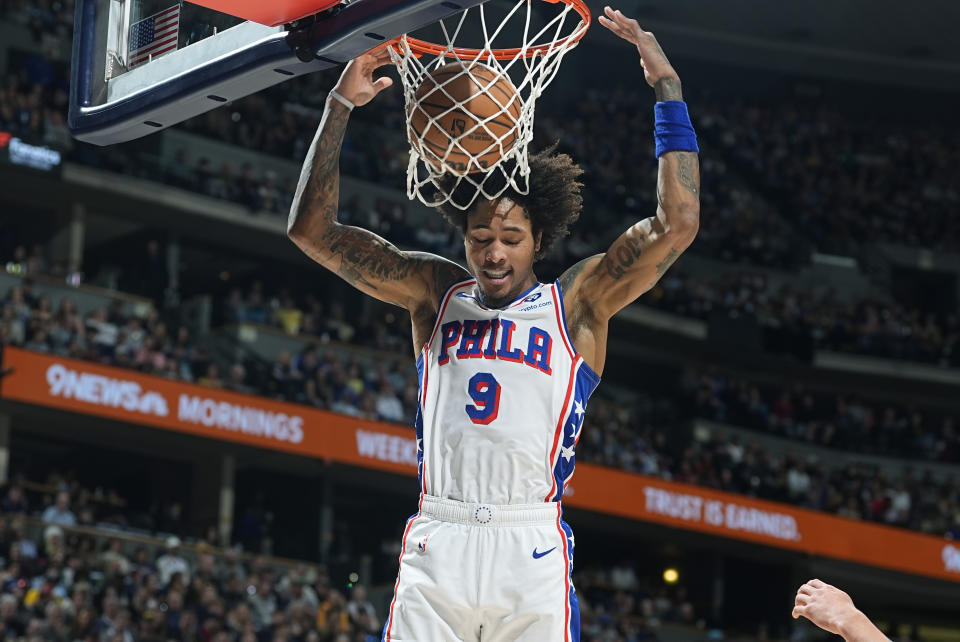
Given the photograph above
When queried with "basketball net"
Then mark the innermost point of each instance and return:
(530, 67)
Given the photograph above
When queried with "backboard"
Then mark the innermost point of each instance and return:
(140, 66)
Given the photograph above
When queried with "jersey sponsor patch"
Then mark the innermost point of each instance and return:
(536, 306)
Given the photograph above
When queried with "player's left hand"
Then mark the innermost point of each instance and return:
(826, 606)
(656, 67)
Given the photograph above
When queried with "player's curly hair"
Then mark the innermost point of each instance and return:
(552, 203)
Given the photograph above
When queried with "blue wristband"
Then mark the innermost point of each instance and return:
(672, 128)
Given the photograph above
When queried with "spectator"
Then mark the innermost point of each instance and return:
(113, 560)
(263, 605)
(15, 502)
(102, 333)
(332, 617)
(59, 512)
(289, 316)
(237, 381)
(172, 563)
(211, 377)
(361, 611)
(389, 407)
(11, 623)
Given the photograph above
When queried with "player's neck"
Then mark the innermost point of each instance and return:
(505, 300)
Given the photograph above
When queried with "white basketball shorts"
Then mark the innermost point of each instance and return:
(484, 573)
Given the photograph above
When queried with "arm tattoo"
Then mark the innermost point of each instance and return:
(667, 261)
(688, 173)
(319, 187)
(623, 255)
(445, 274)
(364, 257)
(569, 277)
(668, 88)
(360, 257)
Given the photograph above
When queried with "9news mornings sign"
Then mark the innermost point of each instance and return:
(134, 398)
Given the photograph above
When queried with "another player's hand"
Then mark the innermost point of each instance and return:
(656, 67)
(826, 606)
(356, 82)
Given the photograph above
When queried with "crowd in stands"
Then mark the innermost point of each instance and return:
(61, 584)
(601, 132)
(369, 388)
(324, 374)
(827, 419)
(108, 334)
(616, 603)
(844, 177)
(869, 324)
(259, 192)
(43, 18)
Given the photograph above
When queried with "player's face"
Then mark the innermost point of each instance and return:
(500, 247)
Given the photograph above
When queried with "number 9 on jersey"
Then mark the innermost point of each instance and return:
(484, 389)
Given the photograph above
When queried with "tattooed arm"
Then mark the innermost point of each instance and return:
(640, 256)
(412, 280)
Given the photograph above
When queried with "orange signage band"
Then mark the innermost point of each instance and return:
(135, 398)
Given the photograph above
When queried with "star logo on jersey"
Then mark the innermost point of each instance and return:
(537, 555)
(578, 408)
(576, 422)
(566, 452)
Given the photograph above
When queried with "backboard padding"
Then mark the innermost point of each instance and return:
(225, 66)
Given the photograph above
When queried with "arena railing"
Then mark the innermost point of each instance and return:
(87, 297)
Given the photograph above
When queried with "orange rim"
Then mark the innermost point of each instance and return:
(421, 47)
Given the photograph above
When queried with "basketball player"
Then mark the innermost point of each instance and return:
(506, 364)
(832, 610)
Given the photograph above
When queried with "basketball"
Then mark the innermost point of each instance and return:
(471, 111)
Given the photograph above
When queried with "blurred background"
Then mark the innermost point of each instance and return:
(800, 361)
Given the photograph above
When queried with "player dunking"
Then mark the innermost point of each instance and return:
(506, 363)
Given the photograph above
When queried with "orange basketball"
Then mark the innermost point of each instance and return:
(474, 143)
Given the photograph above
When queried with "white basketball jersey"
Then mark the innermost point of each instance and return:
(502, 399)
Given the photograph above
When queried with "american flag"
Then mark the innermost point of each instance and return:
(154, 36)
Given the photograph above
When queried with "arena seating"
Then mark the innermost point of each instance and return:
(67, 574)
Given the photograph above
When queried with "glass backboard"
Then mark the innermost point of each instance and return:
(140, 66)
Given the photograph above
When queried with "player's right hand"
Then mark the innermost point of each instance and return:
(356, 83)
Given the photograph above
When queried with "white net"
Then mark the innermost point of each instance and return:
(470, 111)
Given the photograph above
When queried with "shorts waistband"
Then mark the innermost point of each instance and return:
(451, 510)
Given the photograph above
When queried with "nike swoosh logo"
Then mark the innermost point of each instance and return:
(537, 555)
